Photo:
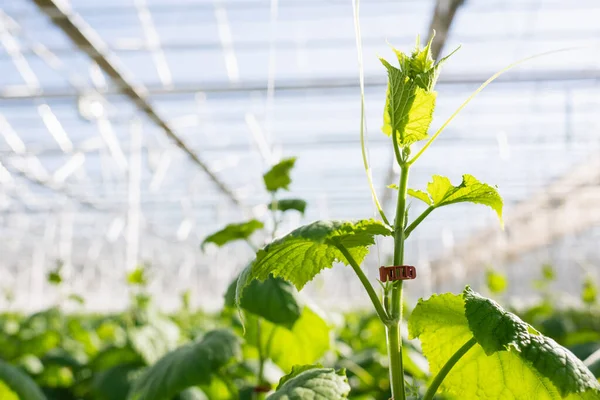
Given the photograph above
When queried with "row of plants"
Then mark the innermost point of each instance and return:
(269, 342)
(54, 355)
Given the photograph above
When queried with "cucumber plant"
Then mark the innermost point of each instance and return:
(475, 349)
(279, 328)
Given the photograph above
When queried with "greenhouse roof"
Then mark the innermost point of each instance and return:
(102, 171)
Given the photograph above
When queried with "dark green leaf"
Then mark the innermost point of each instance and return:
(190, 365)
(115, 383)
(278, 177)
(296, 370)
(289, 204)
(232, 232)
(273, 299)
(18, 383)
(311, 384)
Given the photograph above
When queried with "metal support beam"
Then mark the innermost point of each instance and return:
(568, 206)
(443, 15)
(88, 41)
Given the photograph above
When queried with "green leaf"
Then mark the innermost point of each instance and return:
(307, 341)
(408, 107)
(589, 294)
(114, 383)
(278, 177)
(190, 365)
(495, 281)
(548, 273)
(13, 383)
(55, 277)
(419, 194)
(274, 300)
(316, 383)
(288, 204)
(138, 276)
(300, 255)
(154, 340)
(441, 192)
(232, 232)
(511, 359)
(296, 370)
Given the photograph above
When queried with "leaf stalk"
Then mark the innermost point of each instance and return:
(365, 282)
(417, 221)
(439, 378)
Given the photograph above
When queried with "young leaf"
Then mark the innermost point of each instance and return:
(306, 343)
(15, 383)
(315, 383)
(137, 277)
(232, 232)
(55, 276)
(278, 177)
(190, 365)
(274, 300)
(300, 255)
(510, 359)
(408, 107)
(441, 192)
(288, 204)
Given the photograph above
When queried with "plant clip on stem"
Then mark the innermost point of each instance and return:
(397, 273)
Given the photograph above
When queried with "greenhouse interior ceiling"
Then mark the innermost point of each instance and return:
(130, 130)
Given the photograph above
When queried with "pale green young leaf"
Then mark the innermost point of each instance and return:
(419, 194)
(138, 276)
(408, 108)
(273, 299)
(313, 384)
(6, 393)
(442, 193)
(305, 343)
(232, 232)
(190, 365)
(300, 255)
(519, 364)
(17, 385)
(278, 177)
(288, 204)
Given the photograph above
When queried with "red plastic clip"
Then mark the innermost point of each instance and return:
(397, 273)
(262, 389)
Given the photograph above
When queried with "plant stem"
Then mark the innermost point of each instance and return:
(274, 216)
(261, 356)
(394, 341)
(437, 381)
(417, 221)
(365, 281)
